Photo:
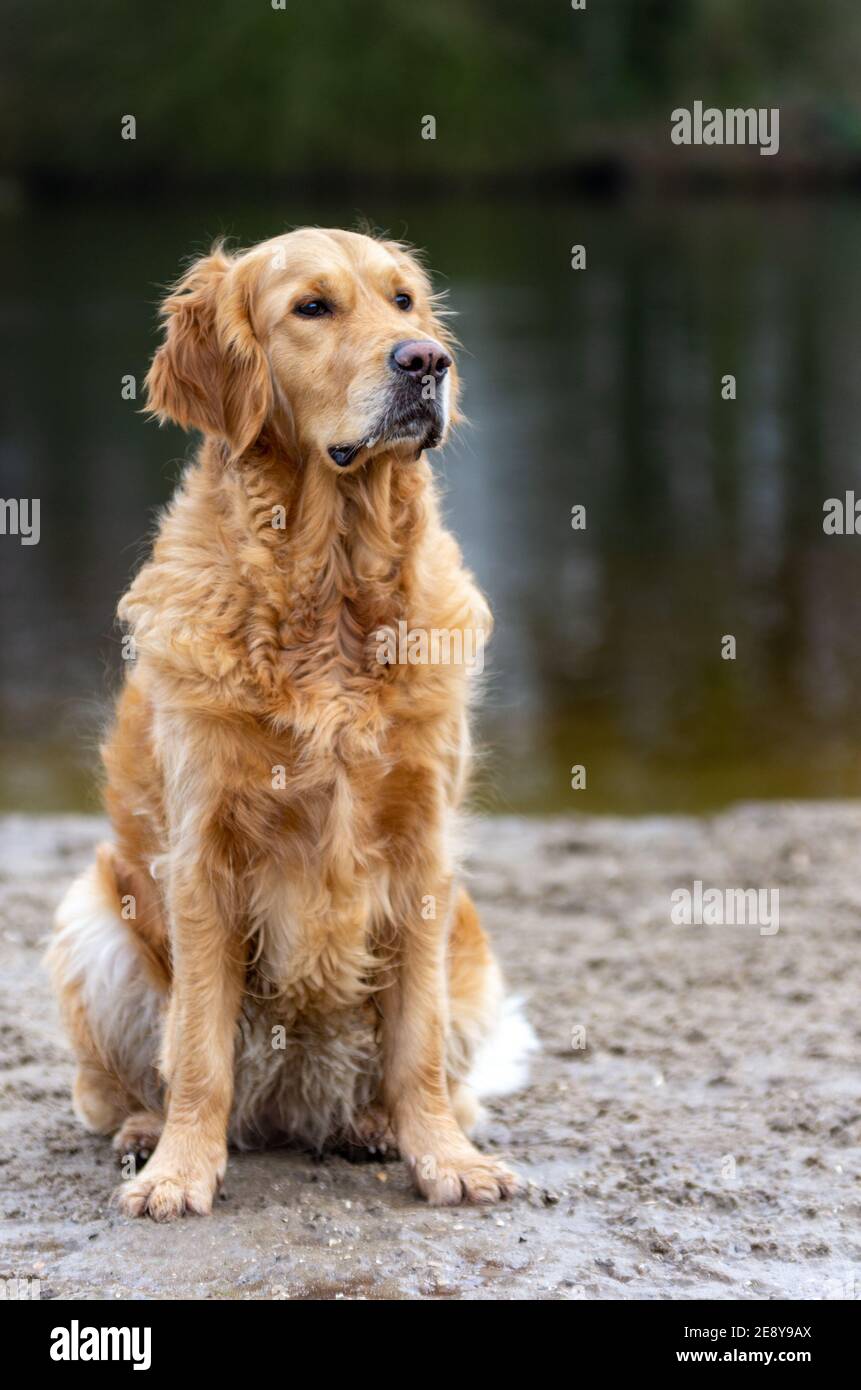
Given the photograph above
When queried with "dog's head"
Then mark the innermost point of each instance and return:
(330, 338)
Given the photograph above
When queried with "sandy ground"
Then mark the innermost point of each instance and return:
(703, 1143)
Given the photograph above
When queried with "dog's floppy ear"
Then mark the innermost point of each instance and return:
(210, 373)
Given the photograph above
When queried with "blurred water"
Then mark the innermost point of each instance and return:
(599, 387)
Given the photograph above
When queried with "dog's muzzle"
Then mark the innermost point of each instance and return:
(416, 408)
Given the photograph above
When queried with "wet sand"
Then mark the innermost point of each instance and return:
(691, 1130)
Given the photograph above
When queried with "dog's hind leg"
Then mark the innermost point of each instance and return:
(489, 1039)
(110, 999)
(139, 1134)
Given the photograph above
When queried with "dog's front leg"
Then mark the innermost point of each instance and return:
(446, 1167)
(197, 1056)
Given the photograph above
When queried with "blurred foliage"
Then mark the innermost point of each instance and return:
(331, 88)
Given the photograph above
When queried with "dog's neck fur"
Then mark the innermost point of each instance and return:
(330, 541)
(298, 567)
(352, 528)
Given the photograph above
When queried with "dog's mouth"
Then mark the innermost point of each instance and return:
(421, 426)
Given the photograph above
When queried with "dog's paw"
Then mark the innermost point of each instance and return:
(179, 1178)
(164, 1197)
(470, 1177)
(372, 1132)
(138, 1135)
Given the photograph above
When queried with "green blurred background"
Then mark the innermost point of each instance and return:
(599, 387)
(329, 90)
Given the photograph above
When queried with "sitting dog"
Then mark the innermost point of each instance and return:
(275, 945)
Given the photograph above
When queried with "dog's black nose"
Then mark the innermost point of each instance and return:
(419, 358)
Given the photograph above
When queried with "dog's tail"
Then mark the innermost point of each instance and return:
(501, 1064)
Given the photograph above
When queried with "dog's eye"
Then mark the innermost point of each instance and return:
(312, 308)
(404, 301)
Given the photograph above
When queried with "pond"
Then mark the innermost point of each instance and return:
(597, 388)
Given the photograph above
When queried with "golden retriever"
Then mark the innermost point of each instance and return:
(275, 945)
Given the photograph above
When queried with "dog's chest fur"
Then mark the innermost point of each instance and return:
(339, 872)
(322, 773)
(348, 814)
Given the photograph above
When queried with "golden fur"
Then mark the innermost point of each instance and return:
(275, 944)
